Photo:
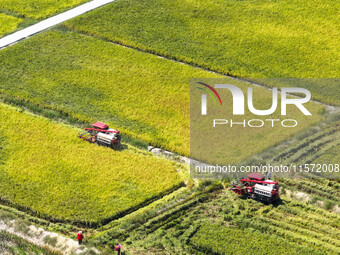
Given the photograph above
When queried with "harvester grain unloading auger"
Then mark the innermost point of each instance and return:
(101, 134)
(255, 186)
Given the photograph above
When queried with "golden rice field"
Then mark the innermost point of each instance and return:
(38, 9)
(8, 23)
(82, 72)
(46, 169)
(144, 96)
(246, 39)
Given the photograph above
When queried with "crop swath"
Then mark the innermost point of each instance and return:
(219, 222)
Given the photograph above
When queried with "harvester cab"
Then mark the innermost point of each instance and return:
(101, 134)
(257, 187)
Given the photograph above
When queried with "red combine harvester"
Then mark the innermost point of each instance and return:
(256, 187)
(101, 134)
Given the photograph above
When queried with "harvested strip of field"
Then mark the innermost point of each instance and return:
(294, 224)
(144, 96)
(8, 23)
(217, 239)
(319, 147)
(46, 169)
(319, 150)
(38, 9)
(220, 222)
(242, 38)
(323, 193)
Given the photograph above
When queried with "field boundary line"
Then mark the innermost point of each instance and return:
(50, 22)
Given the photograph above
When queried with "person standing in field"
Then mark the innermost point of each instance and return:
(80, 237)
(117, 249)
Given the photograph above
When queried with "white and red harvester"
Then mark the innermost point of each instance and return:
(101, 134)
(255, 186)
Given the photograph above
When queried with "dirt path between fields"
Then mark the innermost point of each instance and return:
(43, 238)
(50, 22)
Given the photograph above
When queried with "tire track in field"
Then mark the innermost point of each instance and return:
(50, 22)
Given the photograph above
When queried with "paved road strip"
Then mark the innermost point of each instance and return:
(50, 22)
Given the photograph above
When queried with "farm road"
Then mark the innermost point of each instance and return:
(38, 236)
(50, 22)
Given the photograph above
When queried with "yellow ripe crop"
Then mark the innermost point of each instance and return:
(241, 38)
(37, 9)
(8, 23)
(144, 96)
(47, 169)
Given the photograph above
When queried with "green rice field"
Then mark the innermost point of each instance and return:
(249, 39)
